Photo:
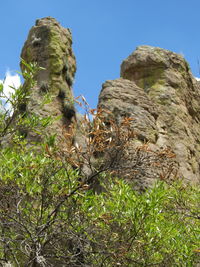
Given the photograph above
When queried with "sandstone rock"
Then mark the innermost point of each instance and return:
(157, 89)
(50, 46)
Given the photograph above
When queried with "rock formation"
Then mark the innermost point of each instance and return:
(158, 91)
(50, 46)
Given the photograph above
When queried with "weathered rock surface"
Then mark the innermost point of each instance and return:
(124, 98)
(50, 46)
(157, 89)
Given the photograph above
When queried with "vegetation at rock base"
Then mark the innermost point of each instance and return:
(52, 215)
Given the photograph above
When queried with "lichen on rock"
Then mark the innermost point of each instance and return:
(50, 46)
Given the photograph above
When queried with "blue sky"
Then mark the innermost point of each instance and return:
(104, 33)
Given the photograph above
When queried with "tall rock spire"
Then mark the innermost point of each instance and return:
(50, 46)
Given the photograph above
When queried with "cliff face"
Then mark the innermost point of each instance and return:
(50, 45)
(158, 91)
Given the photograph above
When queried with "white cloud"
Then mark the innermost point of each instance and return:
(10, 80)
(198, 79)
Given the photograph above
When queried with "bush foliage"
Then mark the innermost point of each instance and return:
(50, 214)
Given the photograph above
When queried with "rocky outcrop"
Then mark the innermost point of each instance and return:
(158, 91)
(50, 46)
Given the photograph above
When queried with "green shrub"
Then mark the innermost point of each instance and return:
(159, 227)
(40, 219)
(50, 216)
